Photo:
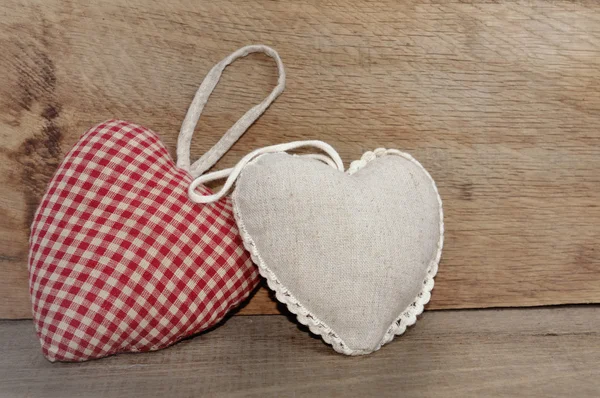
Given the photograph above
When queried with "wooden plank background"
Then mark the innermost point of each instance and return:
(499, 100)
(528, 353)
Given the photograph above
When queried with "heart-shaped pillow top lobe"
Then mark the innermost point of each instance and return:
(120, 259)
(354, 253)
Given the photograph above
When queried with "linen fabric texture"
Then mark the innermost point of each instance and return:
(352, 254)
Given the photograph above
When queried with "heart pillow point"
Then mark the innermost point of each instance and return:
(352, 254)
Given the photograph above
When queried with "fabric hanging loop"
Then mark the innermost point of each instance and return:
(332, 159)
(238, 129)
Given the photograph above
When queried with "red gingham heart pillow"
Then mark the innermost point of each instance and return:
(120, 258)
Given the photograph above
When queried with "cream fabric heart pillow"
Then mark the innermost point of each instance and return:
(353, 254)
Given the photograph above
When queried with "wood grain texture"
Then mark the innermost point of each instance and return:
(482, 353)
(500, 101)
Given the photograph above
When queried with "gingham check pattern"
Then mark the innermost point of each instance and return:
(120, 259)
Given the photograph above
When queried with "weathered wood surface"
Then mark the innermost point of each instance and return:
(499, 100)
(481, 353)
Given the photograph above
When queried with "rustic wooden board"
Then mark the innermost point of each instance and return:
(500, 101)
(483, 353)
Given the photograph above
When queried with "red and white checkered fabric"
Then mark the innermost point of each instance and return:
(120, 259)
